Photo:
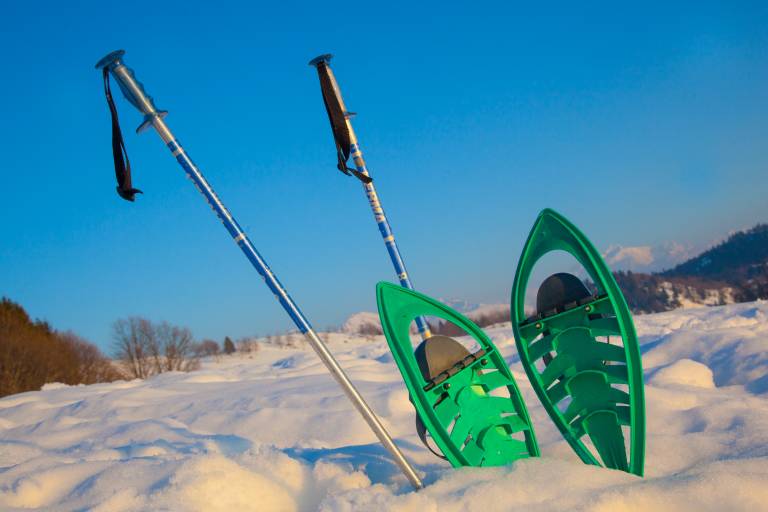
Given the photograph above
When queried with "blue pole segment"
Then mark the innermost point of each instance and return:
(370, 191)
(385, 229)
(135, 93)
(239, 236)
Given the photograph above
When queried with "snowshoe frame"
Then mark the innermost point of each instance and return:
(583, 369)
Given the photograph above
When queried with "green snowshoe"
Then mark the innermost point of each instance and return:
(451, 388)
(591, 388)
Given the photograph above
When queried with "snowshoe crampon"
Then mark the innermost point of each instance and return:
(457, 393)
(592, 389)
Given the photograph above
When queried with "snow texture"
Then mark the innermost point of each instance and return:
(273, 432)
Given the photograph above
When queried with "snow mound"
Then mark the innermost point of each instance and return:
(260, 480)
(554, 486)
(216, 483)
(731, 340)
(53, 385)
(685, 372)
(361, 322)
(272, 431)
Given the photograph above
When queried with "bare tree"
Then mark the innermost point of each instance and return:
(176, 344)
(369, 330)
(244, 345)
(146, 349)
(90, 364)
(206, 348)
(247, 345)
(132, 346)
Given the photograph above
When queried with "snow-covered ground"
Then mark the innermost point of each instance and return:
(274, 432)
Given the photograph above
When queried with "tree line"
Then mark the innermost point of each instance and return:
(32, 353)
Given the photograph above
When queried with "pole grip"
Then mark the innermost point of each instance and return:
(132, 89)
(344, 134)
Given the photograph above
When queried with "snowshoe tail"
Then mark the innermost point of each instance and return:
(605, 432)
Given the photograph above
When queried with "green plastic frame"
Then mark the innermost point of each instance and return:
(481, 425)
(583, 368)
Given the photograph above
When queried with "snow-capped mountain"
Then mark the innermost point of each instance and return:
(735, 270)
(647, 258)
(460, 305)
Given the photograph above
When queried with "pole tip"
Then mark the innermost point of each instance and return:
(110, 59)
(325, 59)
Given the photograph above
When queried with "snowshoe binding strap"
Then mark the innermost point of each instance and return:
(438, 357)
(421, 431)
(119, 154)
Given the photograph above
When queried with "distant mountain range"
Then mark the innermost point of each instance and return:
(735, 270)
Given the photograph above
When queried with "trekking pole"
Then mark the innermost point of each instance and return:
(347, 145)
(135, 94)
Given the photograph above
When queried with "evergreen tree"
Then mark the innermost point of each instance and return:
(229, 346)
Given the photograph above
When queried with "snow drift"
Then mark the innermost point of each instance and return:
(274, 432)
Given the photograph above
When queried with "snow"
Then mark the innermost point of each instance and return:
(272, 431)
(685, 372)
(360, 322)
(689, 297)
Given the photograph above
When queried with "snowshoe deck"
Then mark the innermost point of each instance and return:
(454, 400)
(591, 389)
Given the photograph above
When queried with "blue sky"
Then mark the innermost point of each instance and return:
(642, 124)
